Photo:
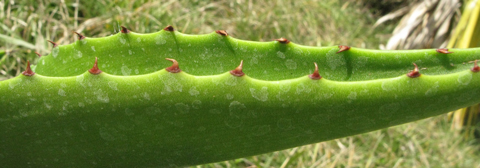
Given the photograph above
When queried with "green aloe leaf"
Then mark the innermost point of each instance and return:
(139, 111)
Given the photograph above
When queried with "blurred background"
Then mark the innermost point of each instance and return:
(449, 140)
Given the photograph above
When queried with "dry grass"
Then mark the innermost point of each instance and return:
(25, 26)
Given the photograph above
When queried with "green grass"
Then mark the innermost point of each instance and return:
(25, 26)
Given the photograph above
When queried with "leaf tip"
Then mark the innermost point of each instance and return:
(415, 73)
(475, 68)
(238, 71)
(343, 48)
(283, 40)
(39, 55)
(54, 44)
(28, 71)
(443, 51)
(315, 75)
(169, 28)
(222, 32)
(174, 68)
(95, 70)
(80, 36)
(124, 30)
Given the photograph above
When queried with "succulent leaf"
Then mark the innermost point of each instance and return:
(136, 112)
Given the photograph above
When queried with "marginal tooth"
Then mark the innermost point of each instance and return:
(443, 51)
(415, 73)
(124, 30)
(28, 71)
(222, 32)
(174, 68)
(80, 36)
(315, 75)
(475, 68)
(283, 40)
(238, 71)
(39, 55)
(95, 70)
(54, 44)
(343, 48)
(169, 28)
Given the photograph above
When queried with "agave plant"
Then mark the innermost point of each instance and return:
(431, 24)
(172, 99)
(465, 36)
